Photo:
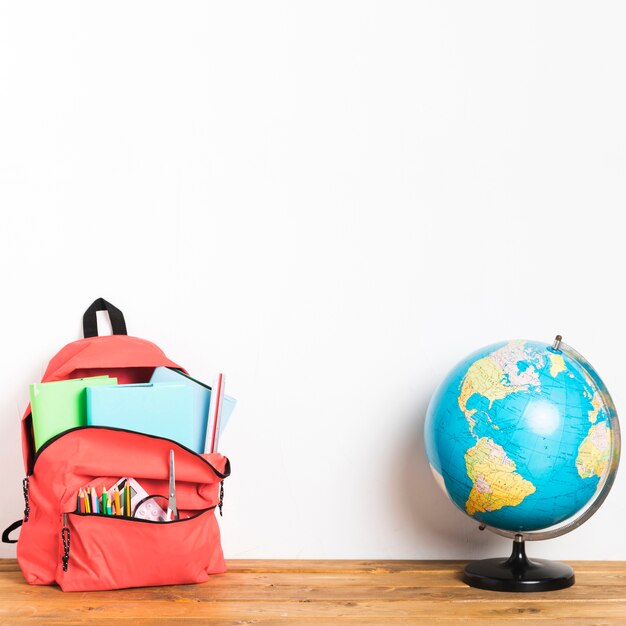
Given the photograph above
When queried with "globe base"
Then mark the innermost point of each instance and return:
(518, 573)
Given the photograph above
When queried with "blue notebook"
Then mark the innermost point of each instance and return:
(201, 401)
(160, 409)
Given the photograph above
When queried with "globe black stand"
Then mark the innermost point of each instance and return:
(518, 572)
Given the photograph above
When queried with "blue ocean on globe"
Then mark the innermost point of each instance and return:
(519, 435)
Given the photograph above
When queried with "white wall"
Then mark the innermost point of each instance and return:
(333, 202)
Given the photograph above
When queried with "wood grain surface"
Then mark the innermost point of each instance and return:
(324, 592)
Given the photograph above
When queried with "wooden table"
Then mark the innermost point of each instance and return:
(324, 592)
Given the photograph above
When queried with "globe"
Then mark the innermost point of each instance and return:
(523, 436)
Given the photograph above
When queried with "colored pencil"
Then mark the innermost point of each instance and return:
(94, 500)
(104, 499)
(128, 512)
(116, 499)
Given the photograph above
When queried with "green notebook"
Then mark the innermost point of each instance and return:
(59, 406)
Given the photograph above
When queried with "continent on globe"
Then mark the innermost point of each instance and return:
(593, 453)
(497, 375)
(495, 481)
(596, 403)
(557, 365)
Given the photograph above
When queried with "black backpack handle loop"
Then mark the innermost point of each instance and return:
(8, 530)
(90, 323)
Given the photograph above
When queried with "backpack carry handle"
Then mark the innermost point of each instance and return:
(90, 323)
(9, 529)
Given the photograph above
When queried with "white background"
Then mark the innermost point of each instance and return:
(333, 202)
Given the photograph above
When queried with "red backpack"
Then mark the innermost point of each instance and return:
(83, 552)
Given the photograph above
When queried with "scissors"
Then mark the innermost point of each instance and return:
(172, 511)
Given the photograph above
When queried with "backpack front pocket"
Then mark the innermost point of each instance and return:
(96, 552)
(99, 552)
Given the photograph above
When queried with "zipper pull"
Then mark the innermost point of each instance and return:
(26, 503)
(65, 536)
(220, 504)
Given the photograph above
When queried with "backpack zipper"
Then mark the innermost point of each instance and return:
(126, 430)
(26, 502)
(141, 520)
(65, 537)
